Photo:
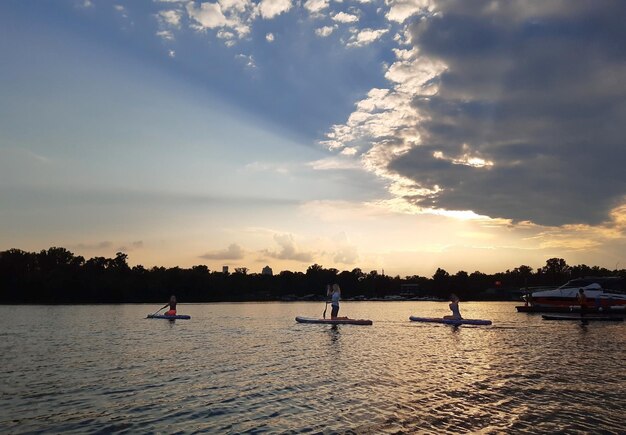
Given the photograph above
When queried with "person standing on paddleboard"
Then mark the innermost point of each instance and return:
(172, 305)
(335, 295)
(454, 307)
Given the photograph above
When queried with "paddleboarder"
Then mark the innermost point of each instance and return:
(454, 307)
(172, 305)
(335, 293)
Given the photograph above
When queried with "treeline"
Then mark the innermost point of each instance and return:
(57, 275)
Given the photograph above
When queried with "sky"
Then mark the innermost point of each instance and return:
(390, 135)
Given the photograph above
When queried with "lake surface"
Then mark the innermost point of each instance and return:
(250, 367)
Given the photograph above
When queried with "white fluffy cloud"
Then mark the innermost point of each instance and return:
(343, 17)
(238, 16)
(365, 37)
(400, 10)
(207, 16)
(272, 8)
(232, 17)
(316, 6)
(324, 31)
(239, 6)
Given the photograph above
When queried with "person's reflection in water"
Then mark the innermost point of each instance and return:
(582, 301)
(334, 333)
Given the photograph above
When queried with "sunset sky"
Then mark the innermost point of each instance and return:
(402, 135)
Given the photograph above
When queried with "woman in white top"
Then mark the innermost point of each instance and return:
(335, 296)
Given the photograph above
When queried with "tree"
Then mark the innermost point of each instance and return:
(119, 262)
(441, 281)
(54, 257)
(556, 270)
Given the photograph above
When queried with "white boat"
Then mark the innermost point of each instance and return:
(601, 292)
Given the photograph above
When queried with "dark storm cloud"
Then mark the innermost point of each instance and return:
(537, 88)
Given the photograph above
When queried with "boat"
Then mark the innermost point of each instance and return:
(584, 318)
(163, 316)
(615, 309)
(450, 321)
(341, 321)
(601, 292)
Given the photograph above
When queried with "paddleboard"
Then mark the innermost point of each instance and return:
(584, 318)
(163, 316)
(301, 319)
(450, 321)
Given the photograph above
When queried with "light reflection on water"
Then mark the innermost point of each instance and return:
(251, 367)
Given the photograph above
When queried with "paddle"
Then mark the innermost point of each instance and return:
(326, 306)
(155, 313)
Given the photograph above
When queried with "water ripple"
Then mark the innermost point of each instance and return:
(249, 368)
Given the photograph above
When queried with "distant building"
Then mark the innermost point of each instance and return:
(267, 271)
(224, 269)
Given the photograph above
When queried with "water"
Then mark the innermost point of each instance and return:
(250, 367)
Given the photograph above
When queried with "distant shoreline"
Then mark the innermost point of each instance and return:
(56, 304)
(57, 276)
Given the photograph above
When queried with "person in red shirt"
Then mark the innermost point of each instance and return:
(172, 305)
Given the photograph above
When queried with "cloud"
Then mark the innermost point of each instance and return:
(346, 253)
(133, 246)
(288, 249)
(401, 10)
(316, 6)
(98, 245)
(343, 17)
(233, 252)
(16, 159)
(335, 163)
(512, 110)
(208, 15)
(277, 167)
(122, 10)
(235, 5)
(232, 17)
(365, 37)
(247, 60)
(165, 34)
(324, 31)
(269, 37)
(170, 17)
(272, 8)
